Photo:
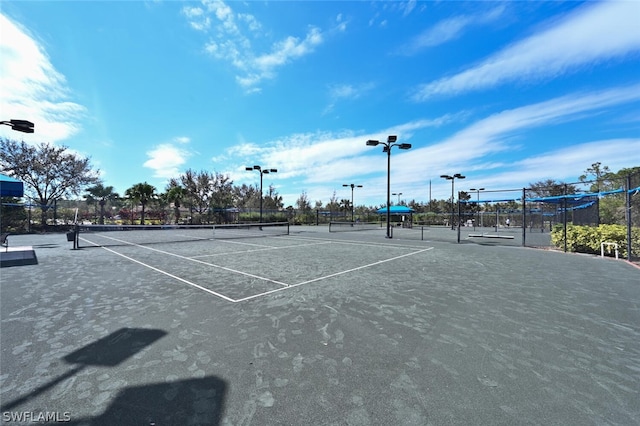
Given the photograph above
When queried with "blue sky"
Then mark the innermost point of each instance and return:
(505, 93)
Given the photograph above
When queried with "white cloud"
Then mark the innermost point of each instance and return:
(449, 29)
(349, 91)
(595, 33)
(197, 18)
(339, 92)
(408, 7)
(288, 49)
(320, 161)
(32, 89)
(165, 159)
(231, 41)
(557, 162)
(495, 133)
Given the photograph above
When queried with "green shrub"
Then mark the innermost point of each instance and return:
(587, 239)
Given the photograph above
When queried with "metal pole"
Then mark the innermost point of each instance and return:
(452, 215)
(478, 207)
(388, 190)
(260, 171)
(352, 202)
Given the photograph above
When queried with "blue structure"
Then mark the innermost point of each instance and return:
(399, 211)
(10, 187)
(396, 210)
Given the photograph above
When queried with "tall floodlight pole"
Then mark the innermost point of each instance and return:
(452, 178)
(352, 185)
(398, 194)
(262, 172)
(478, 204)
(23, 126)
(390, 143)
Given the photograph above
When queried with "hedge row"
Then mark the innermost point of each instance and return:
(587, 239)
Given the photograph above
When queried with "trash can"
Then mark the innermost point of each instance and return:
(71, 236)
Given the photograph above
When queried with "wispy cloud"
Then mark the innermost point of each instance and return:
(321, 157)
(342, 92)
(32, 89)
(408, 7)
(496, 133)
(594, 33)
(577, 157)
(449, 29)
(319, 160)
(166, 159)
(231, 36)
(349, 91)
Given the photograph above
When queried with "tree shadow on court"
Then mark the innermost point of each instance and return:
(192, 401)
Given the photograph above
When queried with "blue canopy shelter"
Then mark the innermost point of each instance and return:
(396, 210)
(399, 212)
(10, 187)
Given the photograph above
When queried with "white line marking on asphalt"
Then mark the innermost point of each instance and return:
(333, 275)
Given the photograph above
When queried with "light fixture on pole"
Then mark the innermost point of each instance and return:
(352, 185)
(390, 143)
(478, 204)
(398, 194)
(262, 172)
(452, 178)
(23, 126)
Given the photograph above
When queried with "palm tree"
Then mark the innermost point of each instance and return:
(345, 206)
(175, 195)
(101, 194)
(143, 193)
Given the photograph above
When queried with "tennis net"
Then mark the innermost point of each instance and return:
(122, 235)
(353, 226)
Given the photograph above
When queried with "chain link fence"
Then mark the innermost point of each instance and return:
(578, 216)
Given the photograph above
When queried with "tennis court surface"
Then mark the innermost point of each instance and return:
(341, 328)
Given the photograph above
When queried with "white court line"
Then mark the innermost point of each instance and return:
(222, 296)
(285, 286)
(260, 249)
(195, 260)
(359, 243)
(333, 275)
(243, 243)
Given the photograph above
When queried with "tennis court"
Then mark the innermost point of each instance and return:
(318, 328)
(240, 264)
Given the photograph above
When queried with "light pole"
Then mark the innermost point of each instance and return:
(23, 126)
(398, 194)
(452, 178)
(352, 185)
(478, 204)
(262, 172)
(390, 143)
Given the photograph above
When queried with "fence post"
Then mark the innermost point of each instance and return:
(524, 216)
(564, 217)
(628, 215)
(459, 218)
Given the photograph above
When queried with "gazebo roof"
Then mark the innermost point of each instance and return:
(396, 210)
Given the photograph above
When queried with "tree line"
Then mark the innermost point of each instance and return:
(53, 173)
